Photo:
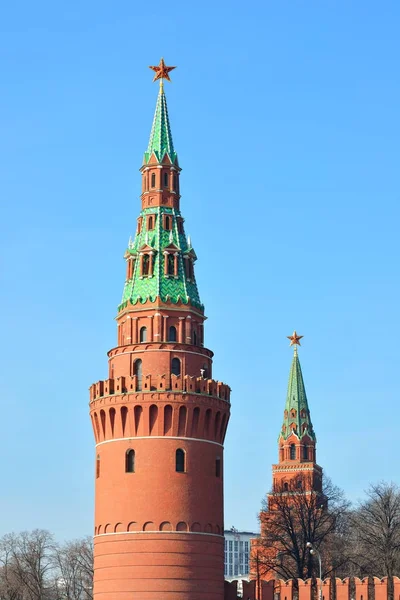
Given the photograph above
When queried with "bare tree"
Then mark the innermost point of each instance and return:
(74, 562)
(27, 560)
(293, 516)
(376, 533)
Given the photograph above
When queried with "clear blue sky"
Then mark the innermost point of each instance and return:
(285, 116)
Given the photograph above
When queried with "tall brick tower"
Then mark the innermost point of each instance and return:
(297, 441)
(159, 420)
(294, 508)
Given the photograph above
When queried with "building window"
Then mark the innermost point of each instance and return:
(305, 452)
(130, 461)
(174, 182)
(230, 545)
(194, 338)
(167, 223)
(172, 334)
(165, 179)
(180, 226)
(176, 366)
(171, 264)
(153, 180)
(218, 467)
(143, 334)
(98, 466)
(180, 461)
(150, 223)
(292, 452)
(137, 370)
(145, 264)
(286, 487)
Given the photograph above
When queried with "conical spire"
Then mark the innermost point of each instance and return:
(297, 414)
(160, 141)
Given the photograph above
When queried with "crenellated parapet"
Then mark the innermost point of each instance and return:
(161, 383)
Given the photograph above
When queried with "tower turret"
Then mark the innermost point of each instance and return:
(159, 419)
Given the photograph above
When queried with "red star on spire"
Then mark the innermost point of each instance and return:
(162, 71)
(295, 339)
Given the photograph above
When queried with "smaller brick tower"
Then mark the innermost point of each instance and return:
(297, 441)
(296, 481)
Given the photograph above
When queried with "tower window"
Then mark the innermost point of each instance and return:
(98, 466)
(165, 179)
(176, 366)
(292, 452)
(180, 461)
(171, 264)
(174, 182)
(143, 334)
(137, 370)
(130, 461)
(218, 467)
(194, 338)
(180, 225)
(167, 223)
(286, 487)
(145, 264)
(172, 334)
(153, 180)
(150, 223)
(305, 452)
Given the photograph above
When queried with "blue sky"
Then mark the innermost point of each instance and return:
(285, 116)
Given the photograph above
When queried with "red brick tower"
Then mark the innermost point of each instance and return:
(159, 419)
(297, 441)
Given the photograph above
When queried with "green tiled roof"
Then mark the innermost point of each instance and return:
(297, 412)
(141, 289)
(160, 137)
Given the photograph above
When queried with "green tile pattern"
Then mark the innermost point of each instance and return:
(138, 289)
(297, 399)
(160, 137)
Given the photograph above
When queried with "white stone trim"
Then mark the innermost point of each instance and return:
(159, 437)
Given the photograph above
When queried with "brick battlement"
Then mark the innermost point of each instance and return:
(160, 383)
(350, 588)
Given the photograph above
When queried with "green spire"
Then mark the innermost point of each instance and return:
(297, 414)
(160, 137)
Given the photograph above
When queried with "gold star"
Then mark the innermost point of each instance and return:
(162, 71)
(295, 339)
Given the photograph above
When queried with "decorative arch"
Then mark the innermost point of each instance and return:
(196, 527)
(165, 526)
(182, 421)
(195, 421)
(182, 526)
(103, 422)
(167, 419)
(149, 526)
(153, 415)
(133, 526)
(124, 416)
(118, 527)
(112, 420)
(107, 528)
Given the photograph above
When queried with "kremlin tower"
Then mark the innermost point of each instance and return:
(159, 419)
(294, 508)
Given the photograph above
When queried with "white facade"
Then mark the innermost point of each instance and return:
(237, 553)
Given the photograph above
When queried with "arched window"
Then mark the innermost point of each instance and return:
(172, 334)
(153, 180)
(168, 223)
(145, 264)
(171, 264)
(292, 452)
(143, 334)
(218, 467)
(137, 370)
(165, 179)
(286, 487)
(180, 461)
(176, 366)
(305, 452)
(130, 461)
(98, 466)
(150, 224)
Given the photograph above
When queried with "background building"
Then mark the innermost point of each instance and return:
(237, 553)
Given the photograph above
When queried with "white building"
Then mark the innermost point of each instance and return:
(237, 553)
